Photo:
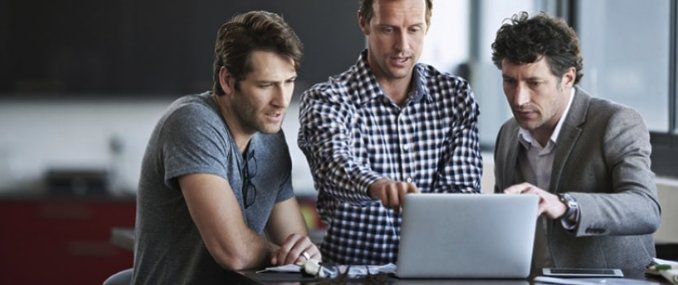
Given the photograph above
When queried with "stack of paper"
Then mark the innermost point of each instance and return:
(353, 270)
(666, 268)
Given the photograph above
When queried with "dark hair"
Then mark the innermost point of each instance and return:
(524, 40)
(248, 32)
(367, 11)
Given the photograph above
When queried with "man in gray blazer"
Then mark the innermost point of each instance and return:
(587, 159)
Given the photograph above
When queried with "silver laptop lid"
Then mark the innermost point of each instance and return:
(467, 236)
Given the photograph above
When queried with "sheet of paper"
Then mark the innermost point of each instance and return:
(591, 281)
(362, 270)
(353, 270)
(288, 268)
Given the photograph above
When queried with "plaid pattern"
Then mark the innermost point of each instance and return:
(352, 134)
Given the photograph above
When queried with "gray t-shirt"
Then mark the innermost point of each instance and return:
(192, 138)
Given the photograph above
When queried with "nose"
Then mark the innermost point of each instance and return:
(521, 95)
(282, 96)
(401, 41)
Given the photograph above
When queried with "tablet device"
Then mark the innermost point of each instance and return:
(583, 272)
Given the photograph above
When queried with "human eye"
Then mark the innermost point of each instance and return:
(509, 81)
(264, 85)
(536, 83)
(387, 29)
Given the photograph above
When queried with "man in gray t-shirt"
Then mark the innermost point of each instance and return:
(215, 192)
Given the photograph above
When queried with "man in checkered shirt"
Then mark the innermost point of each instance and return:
(386, 127)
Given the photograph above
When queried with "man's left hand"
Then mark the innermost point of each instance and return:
(296, 249)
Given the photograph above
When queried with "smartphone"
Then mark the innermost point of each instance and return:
(583, 272)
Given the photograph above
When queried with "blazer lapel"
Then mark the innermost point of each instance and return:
(511, 167)
(569, 134)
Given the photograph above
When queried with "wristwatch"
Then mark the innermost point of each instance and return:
(571, 204)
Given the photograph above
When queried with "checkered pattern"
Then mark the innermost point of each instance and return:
(352, 134)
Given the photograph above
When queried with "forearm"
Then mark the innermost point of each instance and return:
(219, 219)
(343, 179)
(328, 143)
(252, 251)
(285, 219)
(463, 163)
(628, 213)
(626, 203)
(287, 229)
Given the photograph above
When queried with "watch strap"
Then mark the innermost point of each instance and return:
(572, 206)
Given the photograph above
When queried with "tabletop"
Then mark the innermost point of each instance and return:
(124, 238)
(268, 278)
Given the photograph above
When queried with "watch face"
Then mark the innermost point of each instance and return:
(563, 198)
(570, 203)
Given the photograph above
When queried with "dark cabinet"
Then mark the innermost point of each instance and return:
(128, 48)
(62, 241)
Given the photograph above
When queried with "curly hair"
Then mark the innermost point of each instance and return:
(522, 40)
(248, 32)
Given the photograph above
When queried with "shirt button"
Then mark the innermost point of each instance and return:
(409, 180)
(406, 146)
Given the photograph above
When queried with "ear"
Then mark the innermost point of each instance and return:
(364, 25)
(569, 77)
(226, 81)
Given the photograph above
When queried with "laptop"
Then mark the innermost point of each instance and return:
(466, 236)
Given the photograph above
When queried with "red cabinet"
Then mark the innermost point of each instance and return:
(62, 240)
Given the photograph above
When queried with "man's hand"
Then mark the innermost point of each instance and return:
(296, 249)
(549, 203)
(391, 193)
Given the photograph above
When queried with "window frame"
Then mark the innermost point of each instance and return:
(664, 144)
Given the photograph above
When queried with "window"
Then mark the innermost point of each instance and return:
(446, 46)
(630, 57)
(629, 49)
(625, 44)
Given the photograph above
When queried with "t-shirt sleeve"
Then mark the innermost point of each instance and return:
(192, 143)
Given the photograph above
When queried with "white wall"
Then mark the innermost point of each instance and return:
(37, 135)
(40, 135)
(668, 198)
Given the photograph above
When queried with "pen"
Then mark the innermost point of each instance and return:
(659, 267)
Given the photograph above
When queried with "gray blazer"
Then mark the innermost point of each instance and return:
(603, 160)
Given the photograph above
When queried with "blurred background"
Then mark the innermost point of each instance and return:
(82, 84)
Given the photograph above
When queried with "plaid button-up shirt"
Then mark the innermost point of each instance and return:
(352, 135)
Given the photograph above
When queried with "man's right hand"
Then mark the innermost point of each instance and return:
(549, 203)
(391, 193)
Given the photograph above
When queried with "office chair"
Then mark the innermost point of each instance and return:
(123, 277)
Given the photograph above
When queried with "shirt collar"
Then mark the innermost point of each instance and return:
(371, 90)
(526, 137)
